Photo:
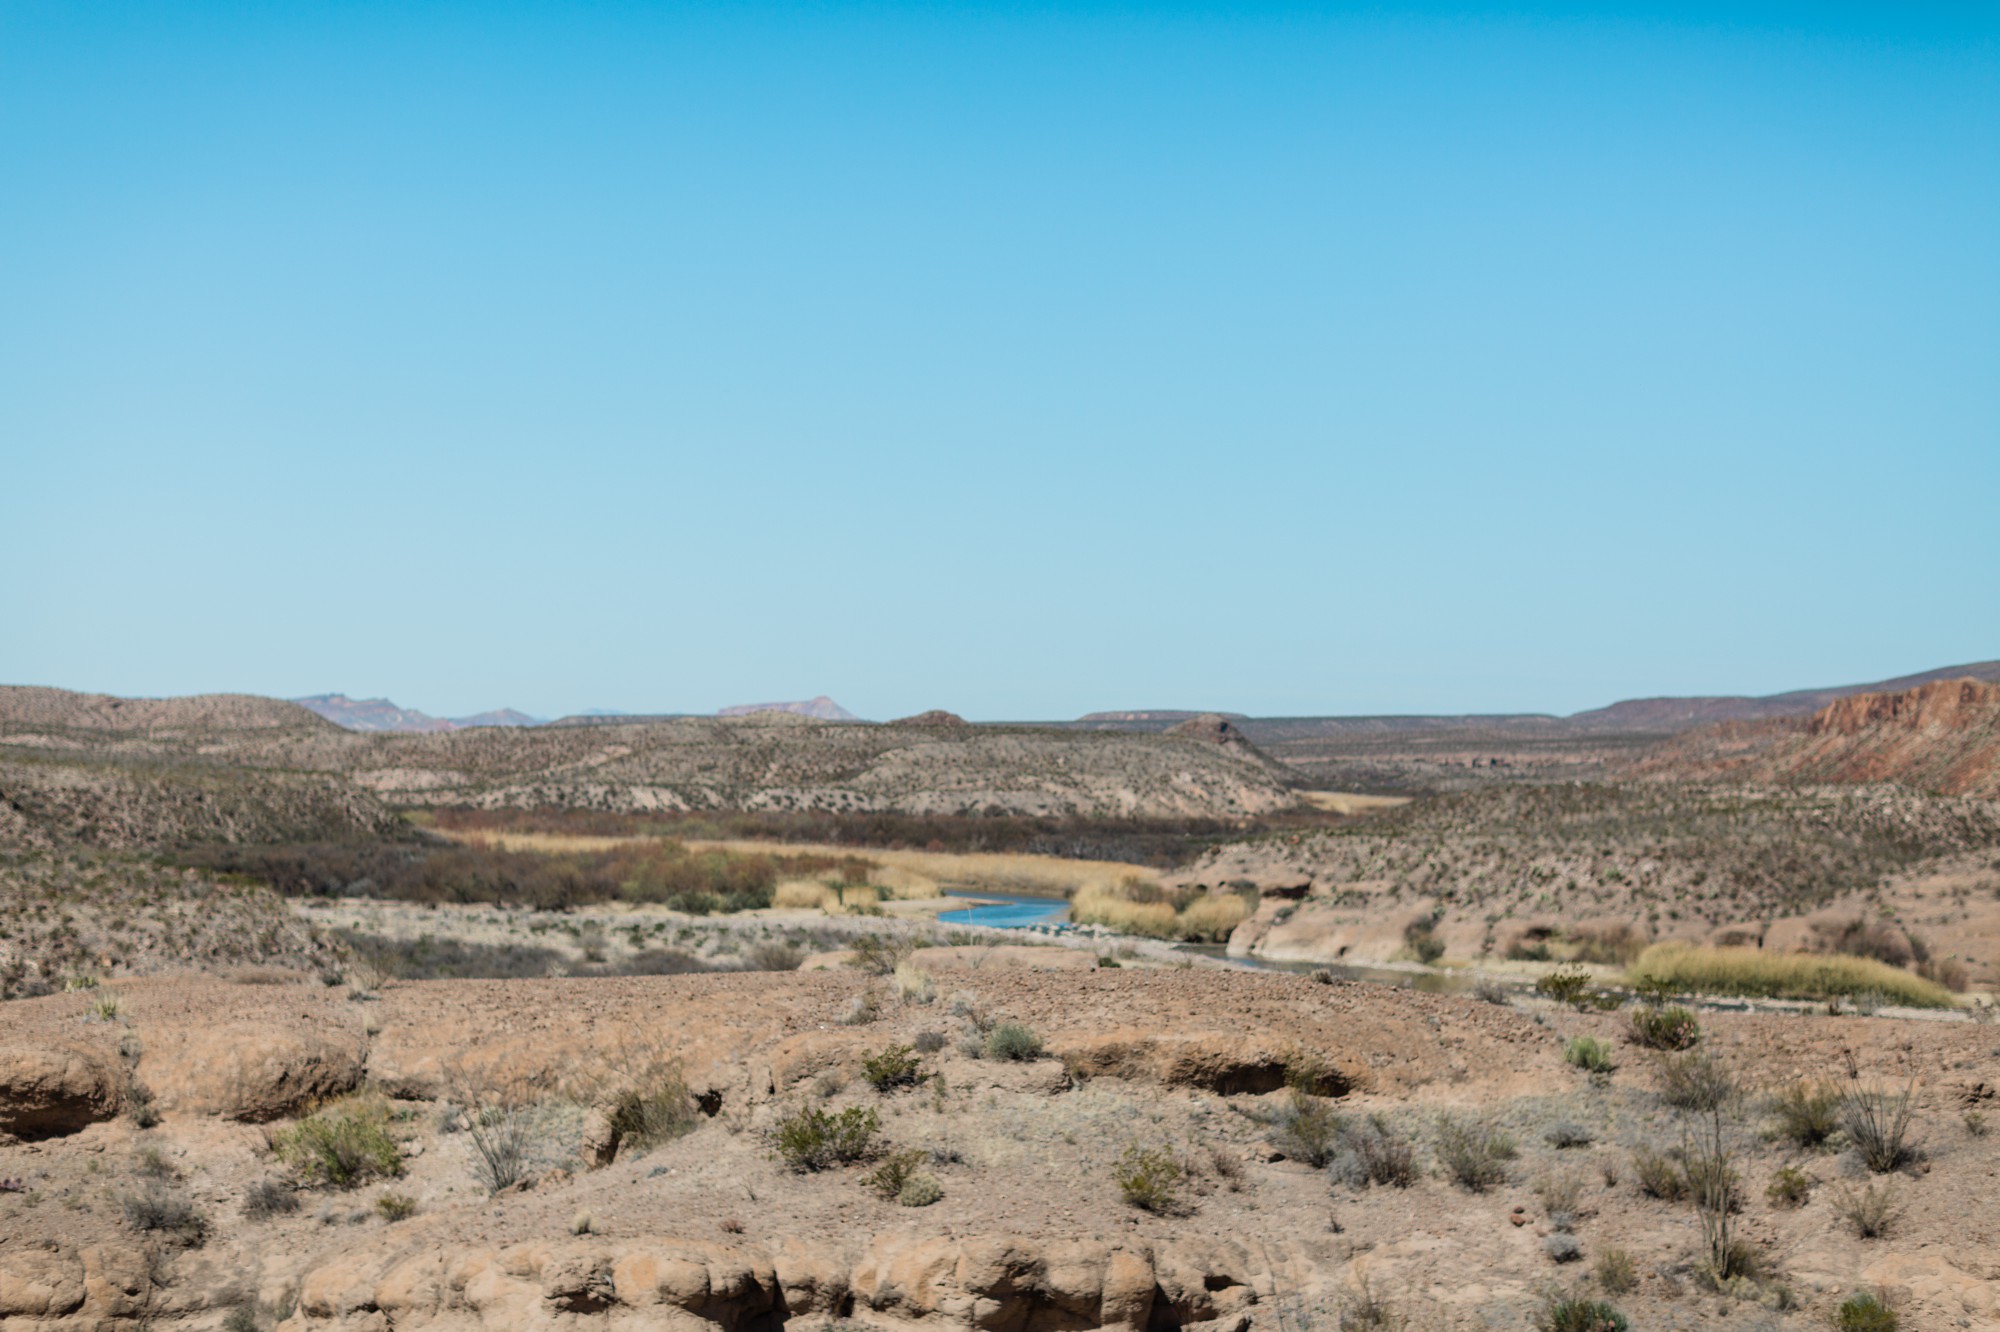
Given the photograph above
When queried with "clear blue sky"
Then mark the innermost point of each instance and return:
(1021, 360)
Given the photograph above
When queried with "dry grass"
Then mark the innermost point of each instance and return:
(1138, 906)
(1348, 802)
(1751, 971)
(906, 872)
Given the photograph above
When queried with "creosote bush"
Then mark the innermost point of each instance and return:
(1789, 1187)
(341, 1144)
(1011, 1040)
(396, 1206)
(1870, 1210)
(813, 1139)
(1149, 1178)
(1864, 1312)
(1660, 1175)
(891, 1068)
(897, 1169)
(1695, 1081)
(1568, 1313)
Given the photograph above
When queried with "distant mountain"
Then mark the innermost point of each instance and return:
(379, 714)
(1168, 715)
(820, 709)
(1666, 714)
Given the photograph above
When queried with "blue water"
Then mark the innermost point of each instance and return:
(1008, 911)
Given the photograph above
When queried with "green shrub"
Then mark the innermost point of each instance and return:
(342, 1145)
(1566, 987)
(1150, 1179)
(1589, 1054)
(1011, 1040)
(1472, 1154)
(1865, 1313)
(896, 1171)
(892, 1068)
(1669, 1028)
(1808, 1113)
(1567, 1313)
(396, 1206)
(813, 1139)
(1790, 1187)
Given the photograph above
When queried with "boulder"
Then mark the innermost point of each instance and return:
(50, 1091)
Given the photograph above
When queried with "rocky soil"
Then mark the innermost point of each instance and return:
(1030, 1229)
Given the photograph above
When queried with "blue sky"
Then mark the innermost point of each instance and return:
(1022, 360)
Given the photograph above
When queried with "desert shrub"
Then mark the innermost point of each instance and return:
(1712, 1181)
(1150, 1179)
(161, 1209)
(880, 954)
(396, 1206)
(1659, 1175)
(919, 1190)
(1589, 1054)
(1472, 1154)
(1870, 1210)
(1808, 1113)
(773, 956)
(268, 1198)
(342, 1144)
(1694, 1081)
(891, 1068)
(913, 984)
(1669, 1028)
(1420, 939)
(1012, 1040)
(928, 1042)
(1789, 1187)
(897, 1169)
(1948, 972)
(1975, 1124)
(1563, 1135)
(1566, 987)
(1878, 1125)
(1616, 1272)
(1308, 1129)
(814, 1139)
(1562, 1247)
(656, 1109)
(1863, 1312)
(1374, 1153)
(503, 1142)
(1492, 991)
(1566, 1313)
(1751, 971)
(242, 1318)
(1561, 1197)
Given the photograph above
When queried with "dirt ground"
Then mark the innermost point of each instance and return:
(1189, 1063)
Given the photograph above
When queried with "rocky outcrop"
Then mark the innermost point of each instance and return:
(993, 1284)
(252, 1072)
(50, 1091)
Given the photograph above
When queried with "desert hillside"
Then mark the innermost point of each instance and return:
(1942, 736)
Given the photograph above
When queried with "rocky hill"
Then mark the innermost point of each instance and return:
(766, 761)
(1666, 714)
(819, 709)
(1941, 736)
(379, 714)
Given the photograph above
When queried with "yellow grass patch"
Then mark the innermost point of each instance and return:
(1752, 971)
(1048, 876)
(804, 894)
(1138, 906)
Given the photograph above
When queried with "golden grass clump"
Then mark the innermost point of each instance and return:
(1752, 971)
(1140, 906)
(804, 894)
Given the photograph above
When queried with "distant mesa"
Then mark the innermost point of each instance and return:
(819, 709)
(379, 714)
(935, 717)
(1668, 714)
(1158, 715)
